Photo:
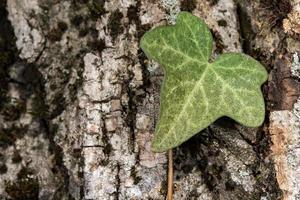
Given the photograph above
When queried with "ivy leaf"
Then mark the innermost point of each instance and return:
(195, 92)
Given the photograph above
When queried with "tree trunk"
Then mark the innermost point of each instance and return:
(79, 102)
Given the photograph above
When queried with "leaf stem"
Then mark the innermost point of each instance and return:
(170, 175)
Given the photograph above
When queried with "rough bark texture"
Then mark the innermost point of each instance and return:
(79, 102)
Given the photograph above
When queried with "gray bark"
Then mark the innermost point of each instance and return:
(79, 102)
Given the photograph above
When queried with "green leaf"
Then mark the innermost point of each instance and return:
(195, 92)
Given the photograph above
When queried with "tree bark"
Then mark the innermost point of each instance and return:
(79, 102)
